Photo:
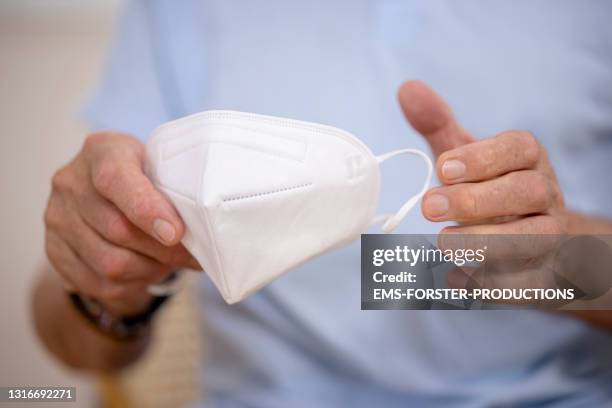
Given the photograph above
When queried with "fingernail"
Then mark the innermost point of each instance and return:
(453, 169)
(436, 205)
(164, 231)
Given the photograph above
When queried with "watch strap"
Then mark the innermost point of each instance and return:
(122, 328)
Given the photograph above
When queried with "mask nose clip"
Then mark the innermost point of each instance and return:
(391, 221)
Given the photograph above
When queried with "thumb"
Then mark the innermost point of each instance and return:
(117, 173)
(429, 115)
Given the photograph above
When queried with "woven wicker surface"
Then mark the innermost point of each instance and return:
(168, 375)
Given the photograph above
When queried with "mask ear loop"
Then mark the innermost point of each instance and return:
(391, 221)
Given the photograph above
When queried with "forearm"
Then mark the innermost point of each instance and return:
(70, 337)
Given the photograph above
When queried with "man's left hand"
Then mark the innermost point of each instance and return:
(500, 185)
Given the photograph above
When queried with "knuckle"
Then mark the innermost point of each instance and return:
(114, 265)
(118, 229)
(94, 139)
(104, 176)
(540, 190)
(468, 203)
(142, 207)
(523, 144)
(61, 180)
(529, 146)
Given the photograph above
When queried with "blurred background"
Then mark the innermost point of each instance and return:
(51, 52)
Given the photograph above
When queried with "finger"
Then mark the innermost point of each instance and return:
(86, 281)
(118, 176)
(517, 193)
(67, 264)
(525, 238)
(109, 261)
(537, 224)
(106, 219)
(431, 117)
(483, 160)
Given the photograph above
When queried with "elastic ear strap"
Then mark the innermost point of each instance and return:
(392, 221)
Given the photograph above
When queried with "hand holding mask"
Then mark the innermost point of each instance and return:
(260, 195)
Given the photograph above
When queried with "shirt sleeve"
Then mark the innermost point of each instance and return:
(128, 96)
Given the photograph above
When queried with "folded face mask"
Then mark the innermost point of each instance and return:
(260, 195)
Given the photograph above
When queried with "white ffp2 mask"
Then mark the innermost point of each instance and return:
(260, 195)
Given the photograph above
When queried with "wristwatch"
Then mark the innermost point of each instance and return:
(123, 328)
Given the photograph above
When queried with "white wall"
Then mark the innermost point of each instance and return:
(50, 54)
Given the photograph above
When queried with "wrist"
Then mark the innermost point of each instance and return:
(129, 317)
(136, 302)
(132, 305)
(112, 325)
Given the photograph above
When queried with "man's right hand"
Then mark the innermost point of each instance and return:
(109, 232)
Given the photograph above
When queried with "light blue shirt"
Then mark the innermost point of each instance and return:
(544, 66)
